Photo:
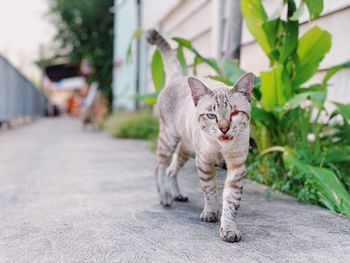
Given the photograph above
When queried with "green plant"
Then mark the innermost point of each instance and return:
(286, 112)
(133, 125)
(282, 116)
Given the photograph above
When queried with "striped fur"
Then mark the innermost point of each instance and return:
(211, 119)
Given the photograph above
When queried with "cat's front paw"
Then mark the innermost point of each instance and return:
(209, 216)
(230, 234)
(166, 199)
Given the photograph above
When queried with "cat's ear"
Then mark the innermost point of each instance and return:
(198, 89)
(245, 85)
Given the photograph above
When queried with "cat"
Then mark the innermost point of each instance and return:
(209, 118)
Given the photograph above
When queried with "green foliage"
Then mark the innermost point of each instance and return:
(227, 72)
(294, 152)
(181, 57)
(132, 125)
(184, 43)
(344, 110)
(315, 7)
(333, 70)
(332, 193)
(272, 88)
(307, 168)
(256, 19)
(85, 30)
(312, 47)
(157, 70)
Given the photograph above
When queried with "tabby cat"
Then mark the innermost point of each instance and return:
(209, 118)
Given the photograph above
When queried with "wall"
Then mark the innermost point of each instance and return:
(200, 21)
(124, 74)
(18, 97)
(203, 22)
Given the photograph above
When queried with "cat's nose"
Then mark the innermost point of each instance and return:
(224, 130)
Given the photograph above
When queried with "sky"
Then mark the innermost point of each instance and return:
(23, 28)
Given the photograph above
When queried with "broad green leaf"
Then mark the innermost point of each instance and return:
(263, 116)
(289, 40)
(261, 135)
(339, 153)
(257, 89)
(255, 16)
(183, 42)
(331, 71)
(157, 70)
(312, 47)
(187, 44)
(344, 109)
(196, 62)
(344, 133)
(291, 7)
(222, 79)
(315, 7)
(295, 101)
(273, 88)
(313, 87)
(270, 28)
(181, 58)
(317, 97)
(331, 191)
(257, 82)
(297, 14)
(256, 93)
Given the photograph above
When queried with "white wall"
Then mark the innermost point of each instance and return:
(197, 21)
(201, 20)
(335, 19)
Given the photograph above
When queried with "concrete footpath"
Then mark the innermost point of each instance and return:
(68, 195)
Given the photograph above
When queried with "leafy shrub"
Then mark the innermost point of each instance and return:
(294, 151)
(132, 125)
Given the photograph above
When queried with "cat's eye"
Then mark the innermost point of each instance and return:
(210, 116)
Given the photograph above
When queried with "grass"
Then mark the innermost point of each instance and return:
(141, 125)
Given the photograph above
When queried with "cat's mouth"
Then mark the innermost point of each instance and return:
(225, 137)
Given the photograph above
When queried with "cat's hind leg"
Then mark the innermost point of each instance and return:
(167, 142)
(180, 157)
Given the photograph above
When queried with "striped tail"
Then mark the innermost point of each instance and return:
(172, 66)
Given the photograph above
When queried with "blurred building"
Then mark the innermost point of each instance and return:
(203, 22)
(64, 84)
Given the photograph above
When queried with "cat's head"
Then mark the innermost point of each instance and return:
(223, 113)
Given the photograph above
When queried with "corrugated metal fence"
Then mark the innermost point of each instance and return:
(18, 96)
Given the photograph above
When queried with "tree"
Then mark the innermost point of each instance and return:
(85, 29)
